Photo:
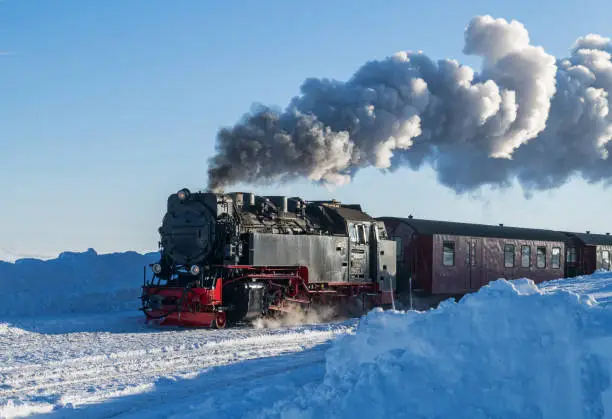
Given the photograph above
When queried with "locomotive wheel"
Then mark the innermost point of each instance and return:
(220, 321)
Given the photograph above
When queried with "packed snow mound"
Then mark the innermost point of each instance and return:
(507, 351)
(74, 282)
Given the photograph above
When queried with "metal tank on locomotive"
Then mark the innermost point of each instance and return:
(231, 257)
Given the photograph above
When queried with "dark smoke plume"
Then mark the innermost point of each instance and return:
(525, 116)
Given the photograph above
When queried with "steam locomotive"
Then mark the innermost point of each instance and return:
(229, 258)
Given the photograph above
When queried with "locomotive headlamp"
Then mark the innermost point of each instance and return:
(195, 269)
(156, 268)
(182, 194)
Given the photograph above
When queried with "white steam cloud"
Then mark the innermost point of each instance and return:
(318, 315)
(525, 116)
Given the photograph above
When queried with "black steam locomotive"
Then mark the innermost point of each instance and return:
(230, 257)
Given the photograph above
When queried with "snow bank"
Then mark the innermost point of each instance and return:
(511, 350)
(72, 283)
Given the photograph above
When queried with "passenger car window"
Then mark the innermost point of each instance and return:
(571, 255)
(399, 248)
(509, 256)
(555, 259)
(525, 256)
(605, 259)
(541, 257)
(448, 253)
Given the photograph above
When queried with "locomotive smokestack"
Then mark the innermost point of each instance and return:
(526, 116)
(280, 202)
(239, 199)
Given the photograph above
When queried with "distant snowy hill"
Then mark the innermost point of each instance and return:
(10, 255)
(74, 282)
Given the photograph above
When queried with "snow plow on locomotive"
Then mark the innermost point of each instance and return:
(226, 258)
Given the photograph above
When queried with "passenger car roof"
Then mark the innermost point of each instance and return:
(426, 227)
(593, 239)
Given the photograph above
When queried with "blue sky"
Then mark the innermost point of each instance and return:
(107, 107)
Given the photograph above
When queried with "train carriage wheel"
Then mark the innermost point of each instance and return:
(220, 321)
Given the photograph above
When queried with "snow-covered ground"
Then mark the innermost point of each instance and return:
(511, 350)
(47, 364)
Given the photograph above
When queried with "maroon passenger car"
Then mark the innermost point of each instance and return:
(451, 259)
(588, 252)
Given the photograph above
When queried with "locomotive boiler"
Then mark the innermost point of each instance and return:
(226, 258)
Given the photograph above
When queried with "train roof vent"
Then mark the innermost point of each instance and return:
(588, 231)
(501, 224)
(410, 216)
(607, 234)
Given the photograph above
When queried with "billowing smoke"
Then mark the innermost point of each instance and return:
(525, 116)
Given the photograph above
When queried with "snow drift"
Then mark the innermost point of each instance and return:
(72, 283)
(510, 350)
(598, 285)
